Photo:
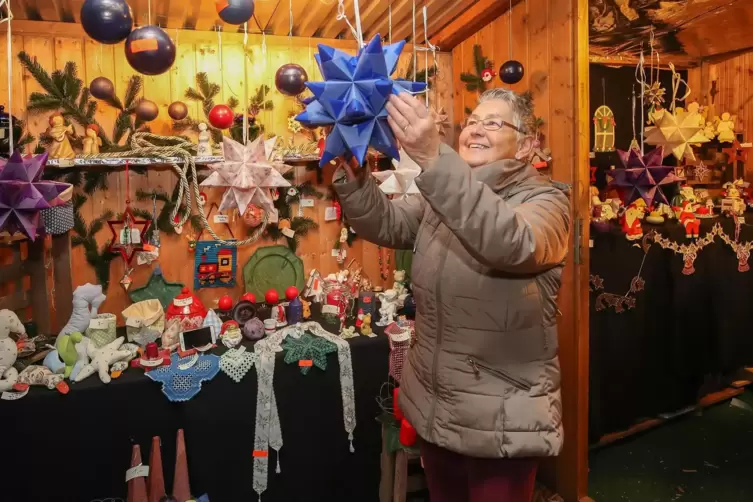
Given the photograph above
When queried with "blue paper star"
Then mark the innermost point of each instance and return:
(352, 99)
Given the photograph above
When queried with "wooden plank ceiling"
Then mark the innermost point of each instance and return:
(685, 30)
(311, 18)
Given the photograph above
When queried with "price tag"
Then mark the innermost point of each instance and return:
(221, 218)
(133, 322)
(336, 253)
(591, 155)
(261, 453)
(144, 44)
(183, 302)
(307, 202)
(220, 5)
(140, 471)
(330, 214)
(590, 243)
(329, 309)
(99, 324)
(305, 363)
(288, 232)
(746, 145)
(273, 216)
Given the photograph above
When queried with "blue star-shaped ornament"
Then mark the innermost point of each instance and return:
(352, 97)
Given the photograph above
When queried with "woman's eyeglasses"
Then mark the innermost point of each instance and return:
(490, 124)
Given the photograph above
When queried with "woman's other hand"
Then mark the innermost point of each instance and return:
(414, 127)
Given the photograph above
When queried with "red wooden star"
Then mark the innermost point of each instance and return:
(125, 227)
(593, 174)
(737, 152)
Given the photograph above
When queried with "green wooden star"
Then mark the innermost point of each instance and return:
(308, 348)
(157, 287)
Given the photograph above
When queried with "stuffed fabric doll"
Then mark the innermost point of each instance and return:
(102, 358)
(86, 301)
(9, 323)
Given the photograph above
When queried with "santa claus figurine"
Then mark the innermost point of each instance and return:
(689, 220)
(631, 222)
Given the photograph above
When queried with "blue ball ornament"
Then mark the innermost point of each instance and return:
(107, 21)
(235, 11)
(150, 50)
(511, 72)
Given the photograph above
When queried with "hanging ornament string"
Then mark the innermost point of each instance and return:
(640, 76)
(389, 20)
(509, 21)
(244, 111)
(167, 148)
(9, 59)
(431, 47)
(342, 16)
(676, 81)
(218, 29)
(149, 11)
(127, 186)
(413, 39)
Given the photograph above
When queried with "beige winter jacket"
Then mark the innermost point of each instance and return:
(483, 378)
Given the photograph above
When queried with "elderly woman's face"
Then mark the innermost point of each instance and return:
(480, 146)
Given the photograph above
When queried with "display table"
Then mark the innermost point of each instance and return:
(655, 331)
(77, 447)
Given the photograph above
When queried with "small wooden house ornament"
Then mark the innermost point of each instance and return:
(604, 125)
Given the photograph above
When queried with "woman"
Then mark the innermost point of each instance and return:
(482, 383)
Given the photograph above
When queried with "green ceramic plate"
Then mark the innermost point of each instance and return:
(273, 267)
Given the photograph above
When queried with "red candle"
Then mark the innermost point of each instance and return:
(151, 351)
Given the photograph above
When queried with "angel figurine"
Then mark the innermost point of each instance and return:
(92, 141)
(726, 128)
(60, 148)
(204, 149)
(388, 310)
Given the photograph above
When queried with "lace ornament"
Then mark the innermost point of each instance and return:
(235, 363)
(181, 382)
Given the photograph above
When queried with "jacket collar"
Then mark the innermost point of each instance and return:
(503, 173)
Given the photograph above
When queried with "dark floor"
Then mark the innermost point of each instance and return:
(702, 457)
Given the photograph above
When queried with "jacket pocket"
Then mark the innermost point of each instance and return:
(516, 382)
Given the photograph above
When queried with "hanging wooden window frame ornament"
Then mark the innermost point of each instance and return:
(222, 252)
(124, 226)
(604, 129)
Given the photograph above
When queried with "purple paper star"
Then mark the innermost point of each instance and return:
(643, 177)
(23, 193)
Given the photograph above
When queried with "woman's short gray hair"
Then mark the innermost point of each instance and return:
(521, 106)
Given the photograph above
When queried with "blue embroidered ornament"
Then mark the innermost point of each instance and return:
(214, 265)
(182, 380)
(352, 97)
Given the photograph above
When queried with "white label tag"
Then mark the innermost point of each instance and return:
(330, 214)
(335, 252)
(372, 335)
(133, 322)
(591, 155)
(186, 365)
(307, 202)
(183, 302)
(140, 471)
(99, 324)
(329, 309)
(14, 396)
(401, 337)
(288, 232)
(590, 243)
(221, 218)
(746, 145)
(273, 216)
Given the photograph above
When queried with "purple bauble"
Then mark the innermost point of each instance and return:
(150, 50)
(253, 329)
(291, 79)
(107, 21)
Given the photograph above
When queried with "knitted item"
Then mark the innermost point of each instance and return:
(308, 351)
(181, 382)
(101, 329)
(235, 363)
(268, 433)
(58, 220)
(400, 341)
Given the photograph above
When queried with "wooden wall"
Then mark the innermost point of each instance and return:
(550, 38)
(54, 44)
(734, 86)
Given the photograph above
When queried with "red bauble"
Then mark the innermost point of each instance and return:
(291, 293)
(271, 296)
(221, 116)
(408, 434)
(249, 297)
(396, 407)
(225, 303)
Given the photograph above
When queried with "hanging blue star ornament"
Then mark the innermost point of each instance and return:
(352, 97)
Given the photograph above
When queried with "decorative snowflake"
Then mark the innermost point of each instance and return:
(308, 348)
(294, 126)
(701, 171)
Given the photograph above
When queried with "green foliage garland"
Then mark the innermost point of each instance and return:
(473, 81)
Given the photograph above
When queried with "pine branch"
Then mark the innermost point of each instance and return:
(193, 95)
(132, 91)
(95, 180)
(83, 100)
(479, 61)
(39, 74)
(233, 102)
(114, 101)
(302, 225)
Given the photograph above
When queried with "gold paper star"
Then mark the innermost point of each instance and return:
(293, 125)
(676, 132)
(441, 120)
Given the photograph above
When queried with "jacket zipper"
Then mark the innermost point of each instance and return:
(442, 259)
(516, 382)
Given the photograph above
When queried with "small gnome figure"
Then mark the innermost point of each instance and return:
(359, 318)
(689, 219)
(92, 141)
(278, 314)
(204, 149)
(60, 148)
(631, 223)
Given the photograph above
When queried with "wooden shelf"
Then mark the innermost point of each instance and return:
(133, 161)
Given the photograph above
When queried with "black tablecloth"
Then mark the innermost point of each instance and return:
(653, 358)
(77, 447)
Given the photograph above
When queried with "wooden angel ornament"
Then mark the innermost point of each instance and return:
(92, 141)
(60, 148)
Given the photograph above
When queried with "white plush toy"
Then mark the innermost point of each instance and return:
(86, 302)
(102, 358)
(9, 323)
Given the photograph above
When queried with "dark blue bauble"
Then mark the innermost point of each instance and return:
(107, 21)
(235, 11)
(150, 50)
(511, 72)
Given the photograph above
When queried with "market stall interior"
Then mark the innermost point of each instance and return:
(670, 245)
(178, 282)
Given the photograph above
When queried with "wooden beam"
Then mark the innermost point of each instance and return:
(373, 11)
(333, 26)
(469, 22)
(311, 18)
(281, 21)
(16, 301)
(440, 13)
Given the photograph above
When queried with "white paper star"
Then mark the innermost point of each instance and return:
(249, 173)
(401, 181)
